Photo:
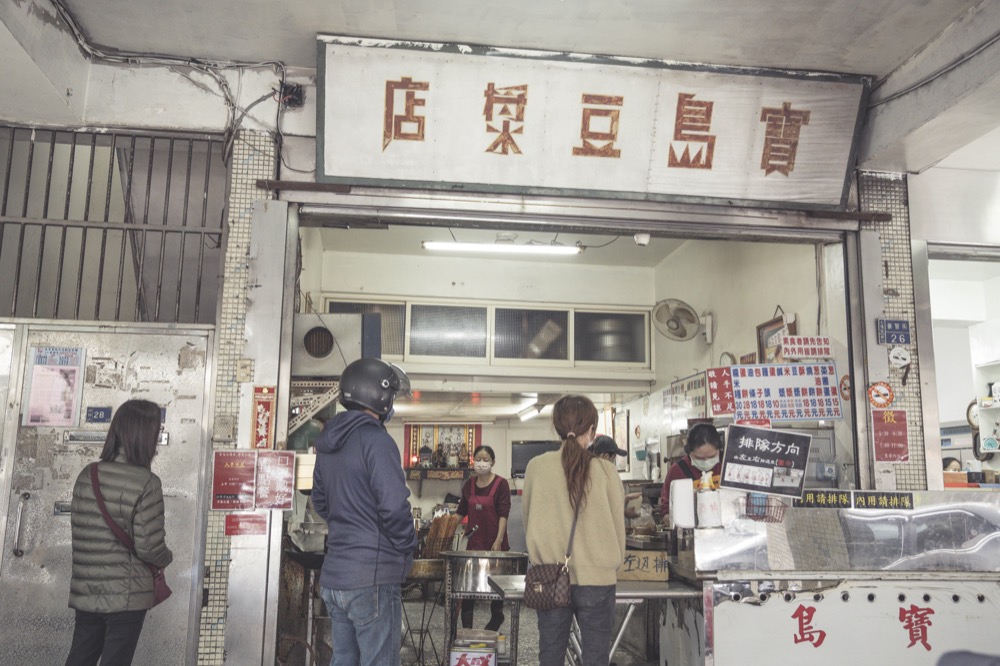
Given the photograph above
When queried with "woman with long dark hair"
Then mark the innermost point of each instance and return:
(557, 486)
(111, 587)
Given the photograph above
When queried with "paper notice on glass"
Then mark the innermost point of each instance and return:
(55, 387)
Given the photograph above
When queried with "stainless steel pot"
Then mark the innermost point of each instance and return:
(469, 569)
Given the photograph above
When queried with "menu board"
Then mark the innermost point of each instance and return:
(765, 461)
(786, 391)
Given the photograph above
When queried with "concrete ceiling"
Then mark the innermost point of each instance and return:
(870, 37)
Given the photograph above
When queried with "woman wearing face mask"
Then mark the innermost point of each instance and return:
(703, 449)
(486, 501)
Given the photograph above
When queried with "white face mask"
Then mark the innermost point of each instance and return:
(705, 464)
(482, 466)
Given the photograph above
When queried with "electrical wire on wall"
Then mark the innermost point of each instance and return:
(210, 68)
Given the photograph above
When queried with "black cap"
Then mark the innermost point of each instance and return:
(604, 445)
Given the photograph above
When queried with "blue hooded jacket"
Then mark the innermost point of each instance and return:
(360, 490)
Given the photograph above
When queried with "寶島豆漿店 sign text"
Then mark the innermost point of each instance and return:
(451, 117)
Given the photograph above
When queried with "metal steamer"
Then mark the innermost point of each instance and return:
(467, 575)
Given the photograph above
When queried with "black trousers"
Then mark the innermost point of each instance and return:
(496, 614)
(110, 637)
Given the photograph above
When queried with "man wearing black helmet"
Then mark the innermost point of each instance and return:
(360, 490)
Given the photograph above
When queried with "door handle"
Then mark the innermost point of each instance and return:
(17, 525)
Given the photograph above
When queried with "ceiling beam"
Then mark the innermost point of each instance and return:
(941, 99)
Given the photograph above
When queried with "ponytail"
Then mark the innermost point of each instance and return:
(574, 415)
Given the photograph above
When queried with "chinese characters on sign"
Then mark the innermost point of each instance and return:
(766, 461)
(246, 480)
(644, 565)
(233, 480)
(664, 131)
(875, 499)
(246, 524)
(508, 104)
(56, 386)
(824, 499)
(691, 127)
(688, 398)
(406, 126)
(263, 416)
(806, 633)
(889, 432)
(781, 140)
(915, 621)
(275, 480)
(720, 390)
(786, 392)
(805, 346)
(893, 331)
(605, 120)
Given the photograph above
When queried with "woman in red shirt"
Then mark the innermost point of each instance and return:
(703, 449)
(486, 501)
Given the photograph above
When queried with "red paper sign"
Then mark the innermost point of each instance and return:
(275, 480)
(757, 423)
(243, 524)
(263, 417)
(892, 444)
(233, 475)
(720, 390)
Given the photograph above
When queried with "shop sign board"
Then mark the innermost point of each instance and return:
(456, 117)
(893, 331)
(805, 346)
(275, 480)
(813, 498)
(860, 622)
(246, 524)
(892, 443)
(688, 397)
(786, 392)
(765, 461)
(54, 386)
(720, 390)
(233, 480)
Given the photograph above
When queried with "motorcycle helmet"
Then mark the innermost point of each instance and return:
(371, 383)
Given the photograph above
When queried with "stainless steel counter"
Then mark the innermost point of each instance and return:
(629, 593)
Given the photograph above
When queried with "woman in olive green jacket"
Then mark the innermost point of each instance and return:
(112, 588)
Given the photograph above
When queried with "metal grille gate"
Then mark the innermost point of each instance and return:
(110, 226)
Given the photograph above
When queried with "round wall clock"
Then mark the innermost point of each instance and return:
(972, 415)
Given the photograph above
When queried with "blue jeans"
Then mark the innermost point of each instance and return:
(594, 607)
(110, 637)
(365, 625)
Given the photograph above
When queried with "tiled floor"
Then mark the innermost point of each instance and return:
(527, 634)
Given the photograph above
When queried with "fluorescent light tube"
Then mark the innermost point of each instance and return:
(501, 248)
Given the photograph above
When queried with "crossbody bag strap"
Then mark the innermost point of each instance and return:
(119, 532)
(572, 533)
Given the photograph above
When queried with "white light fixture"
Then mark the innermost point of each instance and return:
(501, 248)
(530, 412)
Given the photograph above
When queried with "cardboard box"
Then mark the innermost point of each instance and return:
(956, 479)
(644, 565)
(305, 463)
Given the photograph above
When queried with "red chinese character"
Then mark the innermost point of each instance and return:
(505, 98)
(916, 620)
(691, 125)
(392, 126)
(804, 614)
(781, 138)
(609, 132)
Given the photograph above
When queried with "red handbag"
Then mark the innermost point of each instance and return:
(161, 591)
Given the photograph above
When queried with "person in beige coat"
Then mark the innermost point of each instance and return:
(111, 587)
(556, 485)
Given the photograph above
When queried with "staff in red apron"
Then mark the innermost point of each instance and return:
(486, 501)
